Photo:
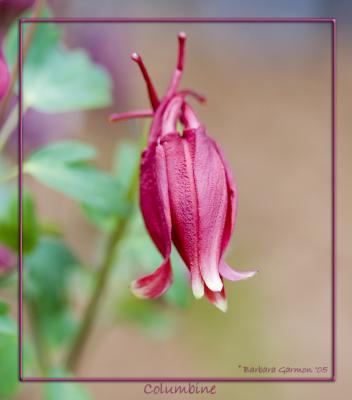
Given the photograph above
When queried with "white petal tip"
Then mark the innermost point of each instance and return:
(197, 288)
(249, 274)
(198, 293)
(215, 285)
(221, 304)
(138, 292)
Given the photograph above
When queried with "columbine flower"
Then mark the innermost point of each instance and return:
(7, 260)
(187, 193)
(4, 73)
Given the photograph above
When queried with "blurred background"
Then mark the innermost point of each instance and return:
(269, 106)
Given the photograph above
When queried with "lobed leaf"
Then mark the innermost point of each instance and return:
(55, 78)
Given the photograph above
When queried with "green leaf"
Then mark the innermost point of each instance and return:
(66, 81)
(67, 151)
(66, 391)
(99, 219)
(46, 36)
(48, 270)
(126, 160)
(9, 220)
(85, 184)
(55, 78)
(8, 357)
(4, 307)
(7, 325)
(61, 167)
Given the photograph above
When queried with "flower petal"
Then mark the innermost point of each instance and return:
(154, 198)
(4, 74)
(155, 284)
(198, 203)
(184, 205)
(211, 188)
(154, 201)
(227, 272)
(217, 298)
(232, 199)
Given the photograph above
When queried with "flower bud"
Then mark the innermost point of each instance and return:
(187, 193)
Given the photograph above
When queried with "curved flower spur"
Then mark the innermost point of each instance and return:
(187, 193)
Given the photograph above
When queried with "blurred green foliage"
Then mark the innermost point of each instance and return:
(65, 391)
(46, 288)
(9, 219)
(125, 163)
(8, 353)
(55, 78)
(67, 172)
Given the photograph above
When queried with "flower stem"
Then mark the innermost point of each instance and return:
(114, 239)
(41, 351)
(15, 69)
(9, 125)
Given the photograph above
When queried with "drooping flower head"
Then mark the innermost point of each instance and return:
(187, 194)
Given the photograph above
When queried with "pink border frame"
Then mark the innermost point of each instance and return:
(329, 21)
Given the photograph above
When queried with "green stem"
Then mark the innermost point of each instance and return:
(41, 351)
(9, 125)
(101, 280)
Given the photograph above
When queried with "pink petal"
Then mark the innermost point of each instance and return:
(211, 188)
(232, 200)
(184, 205)
(217, 298)
(198, 200)
(233, 275)
(154, 201)
(4, 74)
(155, 284)
(154, 198)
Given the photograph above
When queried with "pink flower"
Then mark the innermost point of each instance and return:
(10, 10)
(187, 193)
(7, 260)
(4, 74)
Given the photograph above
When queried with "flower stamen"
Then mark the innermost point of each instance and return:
(154, 100)
(131, 115)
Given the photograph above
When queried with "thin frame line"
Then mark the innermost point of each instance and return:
(195, 379)
(332, 21)
(333, 145)
(178, 20)
(20, 182)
